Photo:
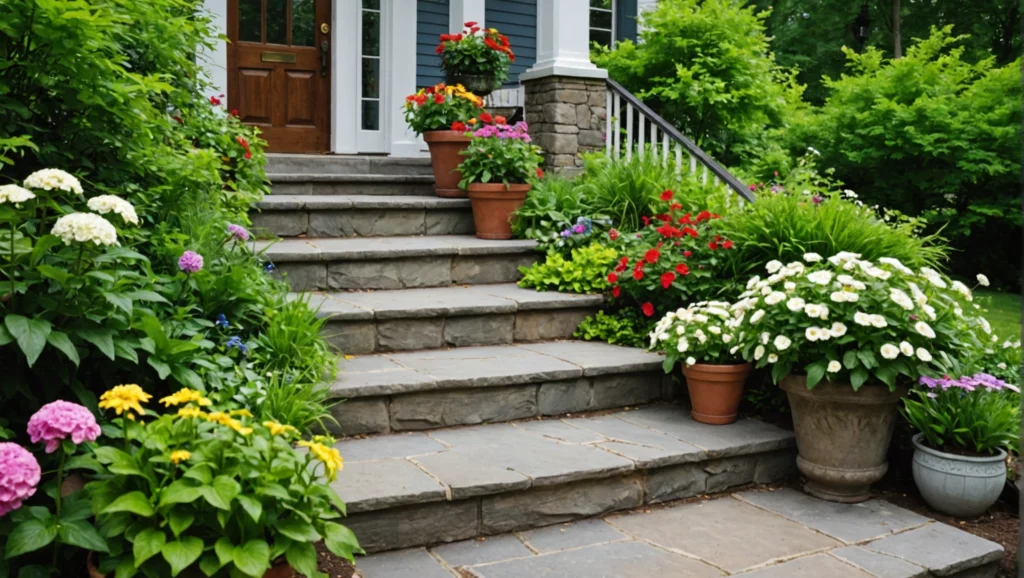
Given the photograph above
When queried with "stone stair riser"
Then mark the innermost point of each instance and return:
(382, 335)
(329, 164)
(397, 526)
(364, 222)
(404, 273)
(493, 404)
(351, 188)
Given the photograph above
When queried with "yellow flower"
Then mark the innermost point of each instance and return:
(185, 395)
(125, 399)
(218, 417)
(240, 412)
(278, 429)
(191, 412)
(330, 457)
(179, 456)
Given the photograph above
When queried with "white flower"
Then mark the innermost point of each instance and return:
(753, 281)
(933, 277)
(766, 290)
(890, 351)
(794, 268)
(773, 266)
(683, 346)
(850, 282)
(985, 325)
(923, 354)
(925, 329)
(983, 280)
(896, 264)
(14, 194)
(772, 358)
(834, 366)
(715, 329)
(104, 204)
(663, 337)
(680, 330)
(962, 289)
(795, 304)
(820, 277)
(861, 318)
(814, 150)
(906, 348)
(50, 179)
(901, 298)
(838, 329)
(758, 352)
(929, 311)
(782, 342)
(757, 316)
(774, 297)
(849, 194)
(812, 257)
(717, 312)
(1001, 365)
(765, 338)
(816, 311)
(727, 338)
(85, 228)
(813, 334)
(789, 286)
(734, 349)
(843, 257)
(878, 273)
(838, 296)
(700, 318)
(878, 321)
(700, 336)
(690, 361)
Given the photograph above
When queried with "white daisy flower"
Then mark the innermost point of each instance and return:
(878, 321)
(982, 280)
(896, 264)
(774, 298)
(906, 349)
(795, 304)
(812, 333)
(773, 266)
(757, 316)
(834, 366)
(683, 346)
(772, 358)
(1001, 365)
(782, 342)
(715, 329)
(923, 354)
(899, 297)
(789, 286)
(861, 318)
(925, 329)
(734, 349)
(758, 352)
(838, 329)
(890, 351)
(812, 257)
(727, 338)
(765, 338)
(753, 281)
(820, 277)
(690, 361)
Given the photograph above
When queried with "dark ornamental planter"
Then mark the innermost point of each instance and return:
(716, 391)
(479, 84)
(493, 205)
(445, 148)
(842, 436)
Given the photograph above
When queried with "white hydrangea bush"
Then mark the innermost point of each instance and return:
(849, 320)
(705, 332)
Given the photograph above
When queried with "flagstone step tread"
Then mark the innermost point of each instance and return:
(739, 535)
(346, 164)
(486, 366)
(343, 202)
(311, 177)
(460, 463)
(366, 248)
(442, 302)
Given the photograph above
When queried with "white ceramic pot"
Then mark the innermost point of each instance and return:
(963, 486)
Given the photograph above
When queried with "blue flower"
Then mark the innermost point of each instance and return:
(269, 268)
(236, 342)
(222, 321)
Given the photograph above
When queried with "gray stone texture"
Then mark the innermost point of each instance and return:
(303, 276)
(567, 118)
(418, 525)
(360, 416)
(879, 565)
(618, 560)
(477, 270)
(390, 274)
(382, 484)
(406, 334)
(571, 536)
(352, 337)
(482, 551)
(544, 325)
(417, 563)
(462, 407)
(816, 566)
(943, 550)
(479, 330)
(281, 223)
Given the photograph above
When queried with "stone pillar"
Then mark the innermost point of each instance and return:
(565, 92)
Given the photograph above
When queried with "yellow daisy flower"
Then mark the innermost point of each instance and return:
(179, 456)
(330, 457)
(240, 412)
(218, 417)
(278, 429)
(125, 399)
(185, 395)
(191, 412)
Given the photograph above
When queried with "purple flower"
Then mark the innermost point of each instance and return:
(18, 478)
(238, 232)
(191, 262)
(58, 420)
(567, 233)
(931, 382)
(579, 229)
(817, 199)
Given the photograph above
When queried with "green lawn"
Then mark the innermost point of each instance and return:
(1002, 310)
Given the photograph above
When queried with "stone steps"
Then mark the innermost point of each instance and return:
(417, 390)
(278, 163)
(349, 184)
(412, 489)
(456, 316)
(361, 216)
(397, 262)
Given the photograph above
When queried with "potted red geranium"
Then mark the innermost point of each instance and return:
(478, 58)
(439, 113)
(498, 170)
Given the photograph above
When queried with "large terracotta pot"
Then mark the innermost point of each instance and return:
(493, 205)
(445, 148)
(715, 391)
(842, 436)
(963, 486)
(281, 569)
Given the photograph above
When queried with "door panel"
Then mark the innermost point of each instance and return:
(278, 70)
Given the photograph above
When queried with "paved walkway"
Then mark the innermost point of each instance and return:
(755, 534)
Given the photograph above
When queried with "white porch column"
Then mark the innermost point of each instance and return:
(462, 11)
(402, 78)
(216, 61)
(563, 41)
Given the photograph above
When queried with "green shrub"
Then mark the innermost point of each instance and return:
(621, 327)
(586, 273)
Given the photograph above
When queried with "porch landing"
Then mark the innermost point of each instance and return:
(753, 533)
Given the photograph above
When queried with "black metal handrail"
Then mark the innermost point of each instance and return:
(674, 134)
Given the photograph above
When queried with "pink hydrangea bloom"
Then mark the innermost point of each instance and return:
(190, 262)
(238, 232)
(59, 420)
(19, 476)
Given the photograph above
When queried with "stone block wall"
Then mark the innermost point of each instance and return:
(566, 117)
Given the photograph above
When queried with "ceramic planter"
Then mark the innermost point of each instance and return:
(715, 391)
(493, 205)
(445, 146)
(842, 436)
(963, 486)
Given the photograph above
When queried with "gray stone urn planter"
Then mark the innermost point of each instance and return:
(964, 486)
(842, 436)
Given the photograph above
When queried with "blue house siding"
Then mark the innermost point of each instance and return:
(625, 19)
(431, 22)
(516, 19)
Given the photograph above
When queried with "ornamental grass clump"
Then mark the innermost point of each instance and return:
(852, 320)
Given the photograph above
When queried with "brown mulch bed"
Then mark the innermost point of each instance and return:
(334, 567)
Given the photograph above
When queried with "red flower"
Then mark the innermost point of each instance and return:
(667, 278)
(613, 278)
(727, 244)
(420, 99)
(703, 216)
(511, 57)
(500, 120)
(638, 274)
(713, 245)
(685, 219)
(234, 112)
(675, 207)
(645, 219)
(540, 173)
(492, 44)
(470, 23)
(438, 99)
(668, 231)
(459, 126)
(652, 256)
(648, 309)
(247, 155)
(663, 218)
(214, 101)
(689, 231)
(178, 120)
(667, 195)
(439, 49)
(613, 234)
(486, 117)
(623, 265)
(474, 30)
(687, 253)
(616, 291)
(682, 269)
(504, 41)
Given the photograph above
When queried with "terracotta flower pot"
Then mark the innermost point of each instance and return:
(842, 436)
(493, 205)
(716, 390)
(281, 569)
(445, 146)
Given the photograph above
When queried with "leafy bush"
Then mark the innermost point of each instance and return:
(554, 204)
(621, 327)
(440, 107)
(979, 414)
(499, 152)
(586, 272)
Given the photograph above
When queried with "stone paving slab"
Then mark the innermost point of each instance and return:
(375, 485)
(722, 537)
(743, 436)
(597, 358)
(529, 299)
(367, 248)
(342, 202)
(276, 178)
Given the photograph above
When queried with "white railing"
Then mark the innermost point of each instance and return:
(506, 98)
(631, 127)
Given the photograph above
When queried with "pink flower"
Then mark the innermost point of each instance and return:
(58, 420)
(18, 476)
(238, 232)
(190, 262)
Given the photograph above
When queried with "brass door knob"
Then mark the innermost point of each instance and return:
(325, 28)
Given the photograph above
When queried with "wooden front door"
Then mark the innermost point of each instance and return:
(279, 70)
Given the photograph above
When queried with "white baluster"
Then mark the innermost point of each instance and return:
(679, 161)
(642, 131)
(704, 175)
(617, 120)
(664, 148)
(629, 131)
(715, 181)
(608, 124)
(654, 141)
(693, 165)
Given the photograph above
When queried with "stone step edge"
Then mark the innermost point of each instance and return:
(356, 202)
(347, 178)
(328, 254)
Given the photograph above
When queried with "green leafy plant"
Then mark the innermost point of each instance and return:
(977, 414)
(440, 107)
(621, 327)
(213, 491)
(499, 152)
(476, 51)
(707, 332)
(586, 272)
